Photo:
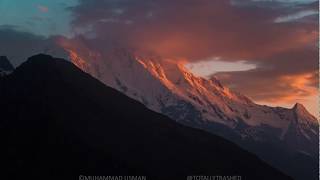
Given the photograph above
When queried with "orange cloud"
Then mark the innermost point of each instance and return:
(295, 88)
(276, 89)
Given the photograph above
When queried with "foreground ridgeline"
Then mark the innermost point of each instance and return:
(58, 122)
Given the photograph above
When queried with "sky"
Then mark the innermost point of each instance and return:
(265, 49)
(41, 17)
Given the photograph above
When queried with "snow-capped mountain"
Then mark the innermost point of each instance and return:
(167, 87)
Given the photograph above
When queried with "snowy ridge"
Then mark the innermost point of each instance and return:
(166, 86)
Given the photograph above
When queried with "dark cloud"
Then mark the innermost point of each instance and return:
(18, 45)
(192, 29)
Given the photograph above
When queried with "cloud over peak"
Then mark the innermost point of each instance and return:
(276, 36)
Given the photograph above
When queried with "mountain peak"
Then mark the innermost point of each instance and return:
(300, 109)
(302, 113)
(5, 64)
(3, 58)
(40, 56)
(42, 61)
(299, 106)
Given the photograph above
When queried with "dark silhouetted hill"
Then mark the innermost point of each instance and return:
(58, 122)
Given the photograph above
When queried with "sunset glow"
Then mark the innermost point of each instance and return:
(264, 49)
(165, 89)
